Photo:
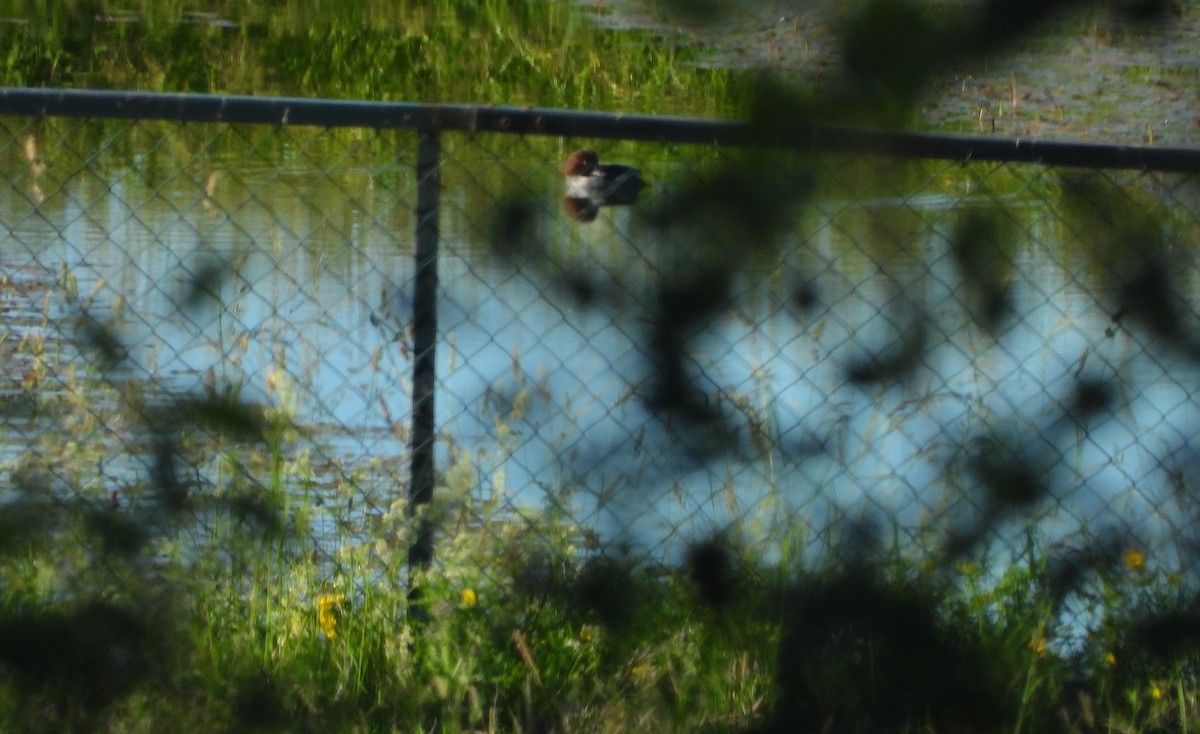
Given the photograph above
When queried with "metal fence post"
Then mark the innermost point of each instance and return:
(424, 425)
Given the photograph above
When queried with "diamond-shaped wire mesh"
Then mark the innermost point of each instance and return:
(920, 329)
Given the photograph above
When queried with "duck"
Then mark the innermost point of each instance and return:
(591, 184)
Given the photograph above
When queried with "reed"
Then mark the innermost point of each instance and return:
(518, 52)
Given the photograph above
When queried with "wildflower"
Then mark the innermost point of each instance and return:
(1135, 560)
(467, 597)
(326, 618)
(1155, 692)
(586, 634)
(1110, 658)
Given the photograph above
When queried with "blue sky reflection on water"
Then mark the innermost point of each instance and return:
(545, 394)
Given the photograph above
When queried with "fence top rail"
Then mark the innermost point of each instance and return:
(581, 124)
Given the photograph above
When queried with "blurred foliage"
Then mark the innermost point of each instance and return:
(859, 650)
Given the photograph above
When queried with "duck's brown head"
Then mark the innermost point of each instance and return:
(581, 163)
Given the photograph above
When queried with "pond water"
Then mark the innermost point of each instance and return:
(545, 368)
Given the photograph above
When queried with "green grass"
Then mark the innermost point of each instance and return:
(270, 641)
(500, 51)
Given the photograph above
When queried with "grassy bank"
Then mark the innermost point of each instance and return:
(514, 631)
(498, 51)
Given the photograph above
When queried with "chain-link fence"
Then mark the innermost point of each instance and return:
(957, 353)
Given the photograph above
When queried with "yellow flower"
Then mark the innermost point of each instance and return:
(327, 605)
(467, 597)
(1110, 658)
(1038, 646)
(1156, 692)
(586, 634)
(1135, 560)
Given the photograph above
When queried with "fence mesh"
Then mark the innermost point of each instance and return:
(962, 355)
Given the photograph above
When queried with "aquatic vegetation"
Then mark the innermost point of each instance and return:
(503, 52)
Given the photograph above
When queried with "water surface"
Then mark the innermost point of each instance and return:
(545, 369)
